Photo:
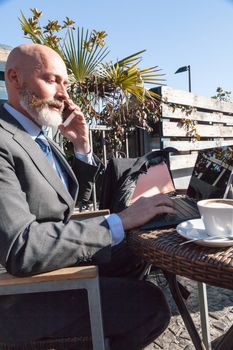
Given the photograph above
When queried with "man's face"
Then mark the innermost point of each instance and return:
(41, 111)
(43, 92)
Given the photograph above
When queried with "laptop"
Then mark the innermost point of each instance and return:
(211, 178)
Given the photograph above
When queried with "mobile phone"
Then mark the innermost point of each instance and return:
(68, 117)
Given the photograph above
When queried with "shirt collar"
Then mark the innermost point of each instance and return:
(26, 123)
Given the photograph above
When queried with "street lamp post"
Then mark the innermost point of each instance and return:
(184, 69)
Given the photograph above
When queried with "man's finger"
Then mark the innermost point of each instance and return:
(165, 209)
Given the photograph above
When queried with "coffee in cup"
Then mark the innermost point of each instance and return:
(217, 216)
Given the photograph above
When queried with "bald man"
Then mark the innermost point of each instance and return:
(37, 198)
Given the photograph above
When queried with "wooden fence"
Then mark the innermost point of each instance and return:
(212, 122)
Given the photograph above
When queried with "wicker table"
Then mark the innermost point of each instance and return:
(162, 249)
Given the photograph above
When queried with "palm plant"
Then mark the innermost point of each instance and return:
(109, 93)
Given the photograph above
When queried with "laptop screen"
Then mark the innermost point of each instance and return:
(211, 173)
(156, 180)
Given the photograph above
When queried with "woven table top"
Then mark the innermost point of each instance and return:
(162, 248)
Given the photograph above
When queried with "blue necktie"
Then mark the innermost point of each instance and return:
(45, 147)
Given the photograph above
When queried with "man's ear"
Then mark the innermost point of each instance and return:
(13, 78)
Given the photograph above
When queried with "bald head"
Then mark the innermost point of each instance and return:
(28, 58)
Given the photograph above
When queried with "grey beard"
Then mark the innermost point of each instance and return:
(41, 114)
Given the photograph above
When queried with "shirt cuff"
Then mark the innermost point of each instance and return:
(86, 158)
(116, 228)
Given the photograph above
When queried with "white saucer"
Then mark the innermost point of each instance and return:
(194, 229)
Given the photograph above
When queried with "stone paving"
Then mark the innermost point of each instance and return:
(176, 337)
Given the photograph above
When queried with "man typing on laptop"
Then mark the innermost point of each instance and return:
(211, 178)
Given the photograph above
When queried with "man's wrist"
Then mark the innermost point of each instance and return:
(124, 220)
(86, 158)
(84, 149)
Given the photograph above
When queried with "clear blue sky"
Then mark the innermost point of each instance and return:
(175, 33)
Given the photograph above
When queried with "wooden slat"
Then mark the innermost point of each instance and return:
(189, 99)
(183, 161)
(2, 66)
(69, 273)
(216, 117)
(182, 168)
(171, 129)
(88, 214)
(196, 145)
(3, 93)
(4, 52)
(99, 127)
(181, 181)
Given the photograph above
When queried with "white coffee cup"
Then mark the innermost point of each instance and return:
(217, 216)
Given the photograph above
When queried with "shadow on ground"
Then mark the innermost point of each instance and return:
(176, 337)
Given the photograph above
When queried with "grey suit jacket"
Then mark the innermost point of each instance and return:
(35, 232)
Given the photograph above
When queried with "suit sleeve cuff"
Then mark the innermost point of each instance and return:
(86, 158)
(116, 228)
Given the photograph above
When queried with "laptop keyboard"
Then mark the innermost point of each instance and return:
(186, 209)
(184, 206)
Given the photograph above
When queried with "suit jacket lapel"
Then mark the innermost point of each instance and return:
(39, 159)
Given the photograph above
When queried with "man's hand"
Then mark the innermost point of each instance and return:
(145, 209)
(75, 128)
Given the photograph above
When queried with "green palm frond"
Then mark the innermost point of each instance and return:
(31, 29)
(127, 76)
(129, 60)
(82, 60)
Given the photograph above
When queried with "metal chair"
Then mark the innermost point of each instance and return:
(85, 277)
(80, 277)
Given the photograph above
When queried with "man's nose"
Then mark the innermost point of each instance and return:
(62, 93)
